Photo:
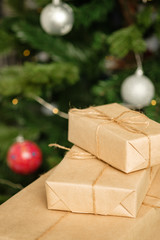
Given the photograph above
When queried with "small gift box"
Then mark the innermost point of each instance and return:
(125, 139)
(83, 184)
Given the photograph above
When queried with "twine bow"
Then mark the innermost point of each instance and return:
(128, 123)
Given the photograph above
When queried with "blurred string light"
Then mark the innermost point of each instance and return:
(46, 105)
(11, 184)
(50, 107)
(48, 112)
(26, 52)
(15, 101)
(153, 102)
(55, 110)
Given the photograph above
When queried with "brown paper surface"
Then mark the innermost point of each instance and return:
(114, 144)
(92, 186)
(26, 217)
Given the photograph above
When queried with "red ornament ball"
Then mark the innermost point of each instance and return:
(24, 157)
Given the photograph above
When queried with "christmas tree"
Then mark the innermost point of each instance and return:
(84, 67)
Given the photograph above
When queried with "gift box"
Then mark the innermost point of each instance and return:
(125, 139)
(25, 217)
(83, 184)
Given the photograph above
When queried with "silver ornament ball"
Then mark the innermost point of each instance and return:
(57, 18)
(137, 90)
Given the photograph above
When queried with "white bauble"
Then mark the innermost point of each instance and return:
(137, 90)
(57, 19)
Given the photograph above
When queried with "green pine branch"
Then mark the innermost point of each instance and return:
(57, 47)
(91, 12)
(33, 77)
(125, 40)
(7, 42)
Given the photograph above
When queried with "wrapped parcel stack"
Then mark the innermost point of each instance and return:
(110, 168)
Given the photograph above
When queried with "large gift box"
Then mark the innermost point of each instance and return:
(125, 139)
(25, 217)
(82, 183)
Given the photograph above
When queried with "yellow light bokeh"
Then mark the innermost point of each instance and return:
(26, 52)
(14, 101)
(55, 110)
(153, 102)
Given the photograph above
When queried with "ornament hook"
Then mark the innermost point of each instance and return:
(56, 2)
(139, 70)
(20, 138)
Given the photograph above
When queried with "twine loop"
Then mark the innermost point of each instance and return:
(74, 154)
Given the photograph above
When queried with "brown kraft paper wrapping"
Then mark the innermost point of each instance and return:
(26, 217)
(88, 185)
(128, 141)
